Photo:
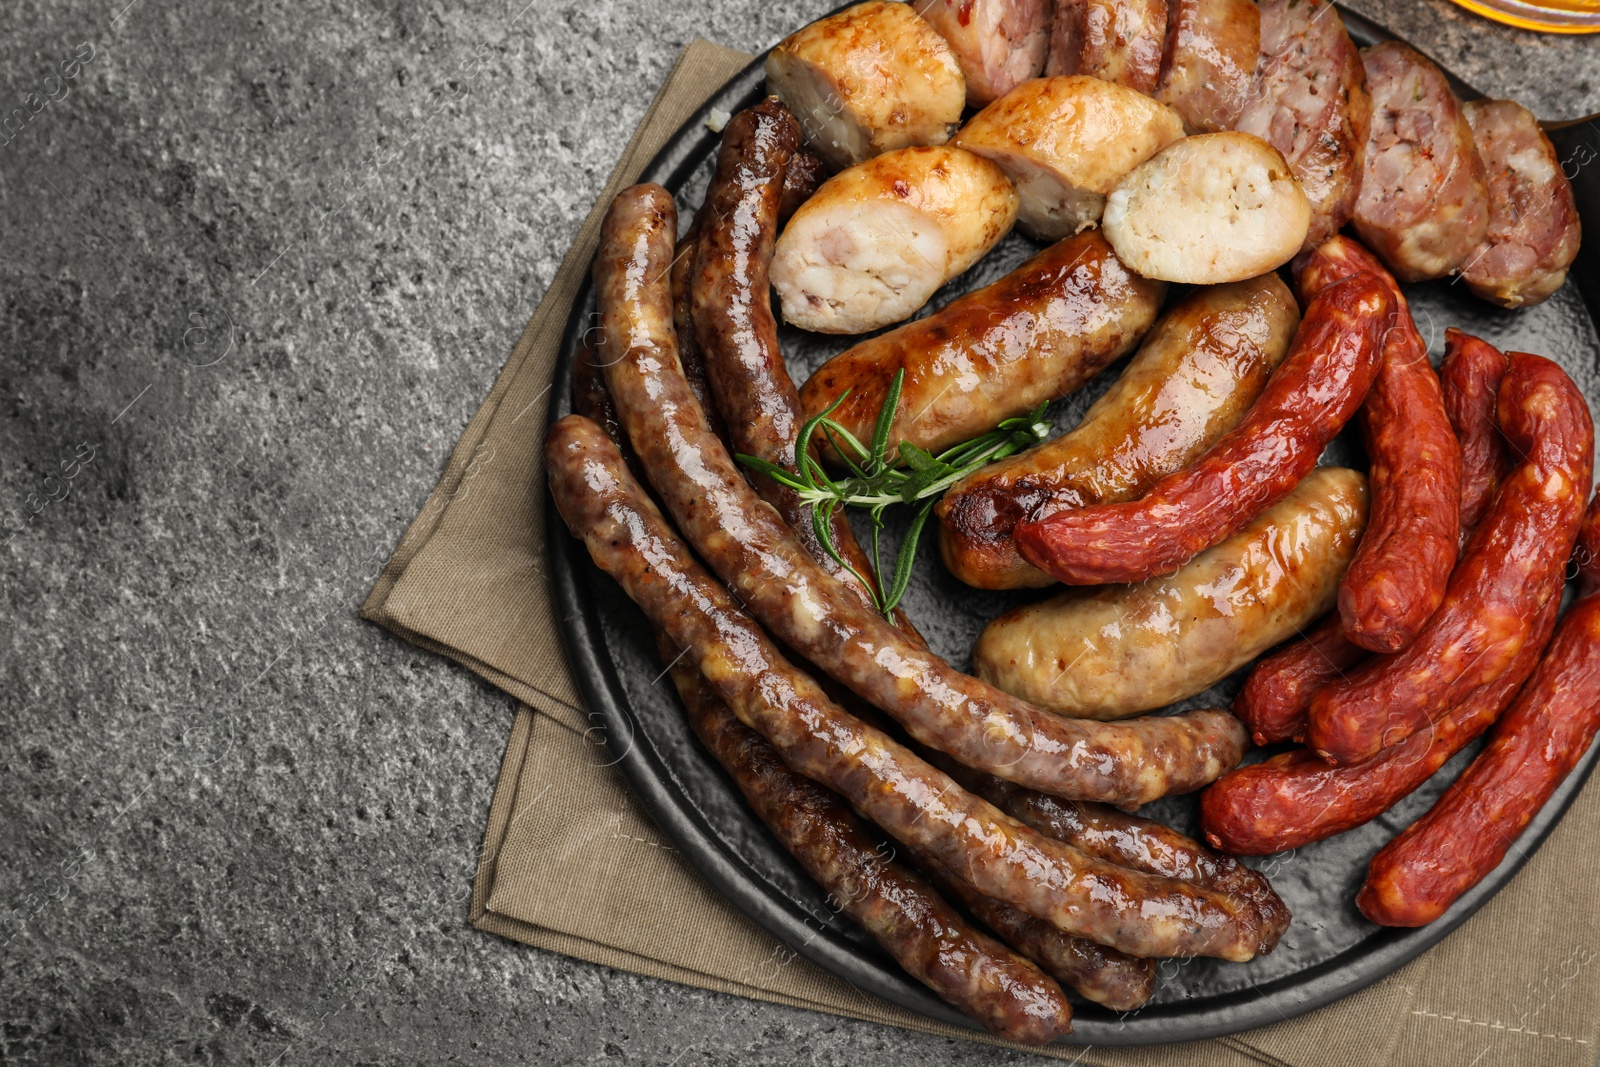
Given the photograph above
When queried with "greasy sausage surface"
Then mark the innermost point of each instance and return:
(910, 800)
(1512, 566)
(746, 543)
(1330, 367)
(999, 44)
(1311, 104)
(1424, 204)
(904, 914)
(1470, 377)
(1272, 705)
(1209, 67)
(1400, 571)
(1295, 798)
(1034, 335)
(1196, 374)
(1465, 835)
(1587, 553)
(1113, 40)
(1534, 227)
(1114, 651)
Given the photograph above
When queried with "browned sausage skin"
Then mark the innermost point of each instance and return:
(1273, 702)
(1403, 564)
(745, 541)
(1587, 552)
(1511, 568)
(1036, 334)
(1208, 69)
(1470, 377)
(1311, 104)
(904, 914)
(1114, 40)
(1424, 205)
(910, 800)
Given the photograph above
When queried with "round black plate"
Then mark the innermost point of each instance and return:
(1329, 951)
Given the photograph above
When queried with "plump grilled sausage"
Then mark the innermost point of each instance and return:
(999, 44)
(1512, 566)
(1330, 367)
(868, 79)
(1465, 835)
(743, 539)
(899, 909)
(1209, 67)
(1311, 103)
(1534, 228)
(910, 800)
(1400, 571)
(1470, 378)
(1114, 40)
(1196, 374)
(1273, 702)
(1036, 334)
(1296, 798)
(1118, 650)
(1424, 204)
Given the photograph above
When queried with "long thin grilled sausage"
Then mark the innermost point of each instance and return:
(1511, 567)
(1401, 569)
(1330, 367)
(1587, 552)
(1470, 377)
(919, 806)
(1273, 702)
(733, 322)
(1465, 835)
(1296, 798)
(746, 543)
(1008, 994)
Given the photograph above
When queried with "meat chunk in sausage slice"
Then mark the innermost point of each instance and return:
(1514, 565)
(1316, 390)
(1117, 650)
(745, 541)
(1534, 230)
(1036, 334)
(1424, 204)
(924, 809)
(999, 44)
(1114, 40)
(1194, 377)
(1209, 67)
(1311, 103)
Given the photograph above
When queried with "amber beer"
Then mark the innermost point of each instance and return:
(1551, 16)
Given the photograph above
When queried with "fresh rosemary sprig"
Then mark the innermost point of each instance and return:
(916, 477)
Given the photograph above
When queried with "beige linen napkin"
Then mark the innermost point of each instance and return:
(570, 864)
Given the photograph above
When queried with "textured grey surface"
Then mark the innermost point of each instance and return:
(260, 262)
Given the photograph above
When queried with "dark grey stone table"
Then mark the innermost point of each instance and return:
(260, 262)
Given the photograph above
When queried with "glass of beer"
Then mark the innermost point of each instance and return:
(1551, 16)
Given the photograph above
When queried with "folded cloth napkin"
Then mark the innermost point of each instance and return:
(570, 864)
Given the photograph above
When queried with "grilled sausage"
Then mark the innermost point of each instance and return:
(1195, 375)
(1512, 566)
(1587, 552)
(802, 177)
(1113, 40)
(1273, 702)
(743, 539)
(999, 44)
(1424, 204)
(1036, 334)
(1209, 67)
(1534, 229)
(1330, 367)
(1400, 571)
(869, 79)
(1465, 835)
(877, 240)
(1118, 650)
(1065, 143)
(1004, 992)
(1470, 378)
(1296, 798)
(1311, 103)
(627, 536)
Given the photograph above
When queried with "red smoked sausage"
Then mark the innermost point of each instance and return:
(1273, 702)
(1470, 376)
